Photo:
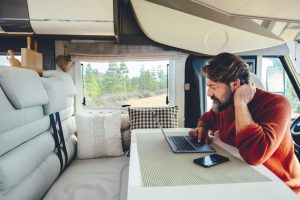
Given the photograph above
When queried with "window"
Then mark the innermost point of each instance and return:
(135, 83)
(276, 80)
(4, 60)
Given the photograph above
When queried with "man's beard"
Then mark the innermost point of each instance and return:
(219, 105)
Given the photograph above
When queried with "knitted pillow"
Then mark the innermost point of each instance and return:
(98, 134)
(143, 117)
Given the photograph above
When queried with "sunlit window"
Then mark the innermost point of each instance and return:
(4, 60)
(276, 80)
(113, 84)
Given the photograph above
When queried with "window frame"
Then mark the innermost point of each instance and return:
(78, 80)
(291, 72)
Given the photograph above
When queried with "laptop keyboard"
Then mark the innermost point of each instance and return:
(181, 143)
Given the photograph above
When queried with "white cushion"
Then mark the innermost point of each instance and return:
(57, 95)
(256, 81)
(98, 134)
(22, 87)
(92, 179)
(69, 83)
(125, 122)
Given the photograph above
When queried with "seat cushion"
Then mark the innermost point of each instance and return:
(102, 178)
(22, 87)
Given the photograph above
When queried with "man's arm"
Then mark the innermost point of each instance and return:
(243, 95)
(258, 140)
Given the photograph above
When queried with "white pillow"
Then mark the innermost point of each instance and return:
(98, 134)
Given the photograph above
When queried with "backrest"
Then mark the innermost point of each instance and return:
(28, 163)
(256, 81)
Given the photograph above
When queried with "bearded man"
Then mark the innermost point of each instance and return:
(255, 121)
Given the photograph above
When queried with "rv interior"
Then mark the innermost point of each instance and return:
(75, 75)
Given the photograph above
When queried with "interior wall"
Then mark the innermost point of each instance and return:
(179, 88)
(60, 50)
(295, 54)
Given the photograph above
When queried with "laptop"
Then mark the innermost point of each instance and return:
(184, 144)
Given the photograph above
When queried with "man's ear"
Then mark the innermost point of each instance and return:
(235, 84)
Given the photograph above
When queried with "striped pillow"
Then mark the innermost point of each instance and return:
(143, 117)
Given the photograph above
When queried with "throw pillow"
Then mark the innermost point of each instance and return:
(143, 117)
(98, 134)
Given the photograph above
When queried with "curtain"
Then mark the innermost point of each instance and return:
(112, 51)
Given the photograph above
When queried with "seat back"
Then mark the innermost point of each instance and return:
(28, 162)
(254, 78)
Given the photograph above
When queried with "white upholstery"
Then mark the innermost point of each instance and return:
(125, 122)
(256, 81)
(14, 137)
(28, 156)
(13, 117)
(29, 165)
(98, 134)
(69, 84)
(66, 113)
(103, 178)
(22, 91)
(39, 181)
(57, 95)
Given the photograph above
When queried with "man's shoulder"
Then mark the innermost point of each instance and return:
(266, 97)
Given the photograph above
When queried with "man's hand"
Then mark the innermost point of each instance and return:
(200, 133)
(244, 93)
(242, 96)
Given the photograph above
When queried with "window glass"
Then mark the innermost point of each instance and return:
(276, 80)
(112, 84)
(4, 60)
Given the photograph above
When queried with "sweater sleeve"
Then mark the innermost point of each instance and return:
(258, 141)
(208, 119)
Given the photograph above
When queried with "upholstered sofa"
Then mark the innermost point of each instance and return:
(30, 167)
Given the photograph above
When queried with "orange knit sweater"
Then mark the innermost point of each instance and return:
(268, 141)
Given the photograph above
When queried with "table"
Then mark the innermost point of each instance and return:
(272, 189)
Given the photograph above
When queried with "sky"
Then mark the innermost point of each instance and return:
(133, 66)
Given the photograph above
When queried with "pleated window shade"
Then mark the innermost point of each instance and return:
(114, 52)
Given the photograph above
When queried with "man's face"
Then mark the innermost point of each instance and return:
(220, 93)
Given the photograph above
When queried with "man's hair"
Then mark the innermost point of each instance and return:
(227, 67)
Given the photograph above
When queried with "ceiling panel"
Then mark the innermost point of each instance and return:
(203, 35)
(72, 17)
(101, 10)
(73, 28)
(224, 5)
(274, 9)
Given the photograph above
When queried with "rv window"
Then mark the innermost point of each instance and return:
(113, 84)
(276, 80)
(4, 60)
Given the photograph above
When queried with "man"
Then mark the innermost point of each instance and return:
(257, 122)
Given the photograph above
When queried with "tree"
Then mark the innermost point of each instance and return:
(116, 78)
(109, 78)
(162, 76)
(147, 80)
(92, 86)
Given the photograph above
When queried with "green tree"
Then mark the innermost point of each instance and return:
(116, 78)
(162, 76)
(147, 80)
(92, 86)
(109, 78)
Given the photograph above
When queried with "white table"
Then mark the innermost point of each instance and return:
(274, 189)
